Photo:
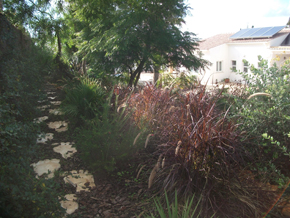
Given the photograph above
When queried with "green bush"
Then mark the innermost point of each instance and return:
(83, 100)
(182, 81)
(107, 138)
(267, 112)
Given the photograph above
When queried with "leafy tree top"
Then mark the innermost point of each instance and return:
(135, 35)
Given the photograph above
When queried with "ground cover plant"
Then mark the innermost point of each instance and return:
(22, 68)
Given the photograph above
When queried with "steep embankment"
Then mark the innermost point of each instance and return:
(22, 69)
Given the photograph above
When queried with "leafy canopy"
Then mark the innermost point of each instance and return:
(133, 36)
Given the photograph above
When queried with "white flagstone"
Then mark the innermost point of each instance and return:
(55, 102)
(63, 129)
(55, 112)
(65, 149)
(82, 180)
(46, 166)
(57, 124)
(42, 108)
(40, 119)
(69, 204)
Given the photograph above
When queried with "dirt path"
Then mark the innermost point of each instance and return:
(86, 194)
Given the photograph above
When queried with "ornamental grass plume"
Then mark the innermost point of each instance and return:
(259, 94)
(136, 138)
(163, 163)
(177, 147)
(152, 176)
(147, 139)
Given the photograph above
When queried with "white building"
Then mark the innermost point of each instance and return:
(227, 51)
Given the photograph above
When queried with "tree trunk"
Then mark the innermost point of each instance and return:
(1, 6)
(137, 73)
(58, 45)
(156, 75)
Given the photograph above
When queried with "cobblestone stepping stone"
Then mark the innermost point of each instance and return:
(42, 108)
(82, 180)
(52, 98)
(63, 129)
(57, 124)
(55, 102)
(55, 112)
(70, 203)
(46, 166)
(40, 119)
(51, 93)
(43, 138)
(65, 149)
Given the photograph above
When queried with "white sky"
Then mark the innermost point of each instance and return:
(211, 17)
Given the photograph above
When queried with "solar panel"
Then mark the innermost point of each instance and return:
(273, 31)
(249, 32)
(238, 34)
(261, 31)
(264, 32)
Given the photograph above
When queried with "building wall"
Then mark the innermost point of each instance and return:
(234, 52)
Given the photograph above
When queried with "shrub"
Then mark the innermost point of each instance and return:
(84, 100)
(267, 113)
(199, 149)
(107, 138)
(182, 81)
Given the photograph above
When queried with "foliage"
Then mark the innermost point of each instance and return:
(176, 211)
(23, 67)
(268, 116)
(182, 81)
(133, 36)
(83, 100)
(108, 138)
(198, 150)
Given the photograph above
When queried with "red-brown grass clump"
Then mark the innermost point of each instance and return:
(198, 146)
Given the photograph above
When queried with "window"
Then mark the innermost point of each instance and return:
(234, 66)
(246, 66)
(218, 66)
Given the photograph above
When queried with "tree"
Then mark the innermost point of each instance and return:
(40, 17)
(133, 36)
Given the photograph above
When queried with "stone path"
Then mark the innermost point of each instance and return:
(80, 179)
